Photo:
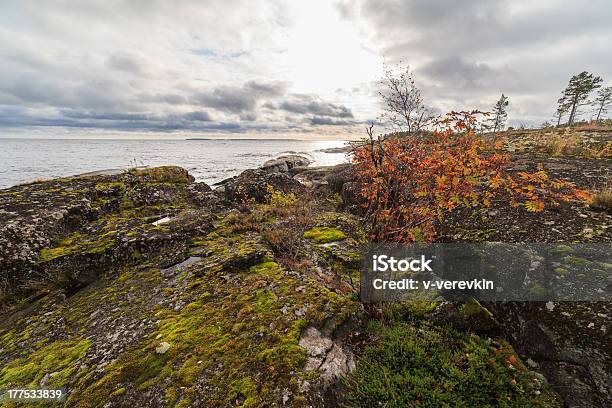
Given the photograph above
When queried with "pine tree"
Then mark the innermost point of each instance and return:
(577, 92)
(561, 110)
(498, 121)
(603, 100)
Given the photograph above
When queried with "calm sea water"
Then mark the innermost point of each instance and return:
(23, 160)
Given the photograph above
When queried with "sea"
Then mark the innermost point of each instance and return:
(209, 160)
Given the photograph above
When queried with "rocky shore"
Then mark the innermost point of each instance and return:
(144, 288)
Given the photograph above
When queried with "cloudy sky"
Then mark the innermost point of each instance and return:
(304, 69)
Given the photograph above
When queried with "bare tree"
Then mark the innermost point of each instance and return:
(404, 107)
(603, 100)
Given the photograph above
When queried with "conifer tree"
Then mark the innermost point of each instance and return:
(577, 92)
(498, 121)
(603, 100)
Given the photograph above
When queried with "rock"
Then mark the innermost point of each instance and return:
(340, 175)
(62, 232)
(311, 177)
(471, 316)
(162, 348)
(285, 163)
(343, 149)
(574, 358)
(256, 185)
(163, 174)
(326, 356)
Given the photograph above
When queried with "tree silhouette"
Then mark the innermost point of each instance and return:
(498, 121)
(603, 100)
(577, 92)
(404, 107)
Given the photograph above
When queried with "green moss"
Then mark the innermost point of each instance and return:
(265, 300)
(59, 358)
(562, 249)
(263, 267)
(109, 186)
(323, 235)
(236, 331)
(431, 366)
(163, 174)
(472, 308)
(561, 271)
(287, 353)
(244, 394)
(77, 243)
(47, 254)
(537, 291)
(574, 260)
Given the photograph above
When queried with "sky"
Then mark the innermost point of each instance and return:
(272, 68)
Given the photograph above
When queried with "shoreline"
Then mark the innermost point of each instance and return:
(208, 164)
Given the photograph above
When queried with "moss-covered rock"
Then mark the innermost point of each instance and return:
(324, 235)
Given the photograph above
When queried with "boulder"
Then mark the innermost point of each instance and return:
(311, 177)
(255, 184)
(470, 316)
(285, 163)
(569, 341)
(339, 175)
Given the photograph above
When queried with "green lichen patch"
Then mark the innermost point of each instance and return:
(324, 235)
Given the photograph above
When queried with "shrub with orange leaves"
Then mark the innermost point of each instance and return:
(410, 184)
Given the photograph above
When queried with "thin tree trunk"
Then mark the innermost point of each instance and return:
(600, 109)
(570, 122)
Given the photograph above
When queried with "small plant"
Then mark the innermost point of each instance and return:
(422, 365)
(603, 199)
(409, 185)
(278, 199)
(558, 145)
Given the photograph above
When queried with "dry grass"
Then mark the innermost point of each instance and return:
(281, 222)
(603, 199)
(571, 145)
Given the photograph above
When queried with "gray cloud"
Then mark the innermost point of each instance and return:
(318, 120)
(242, 99)
(307, 104)
(467, 52)
(238, 65)
(125, 62)
(197, 120)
